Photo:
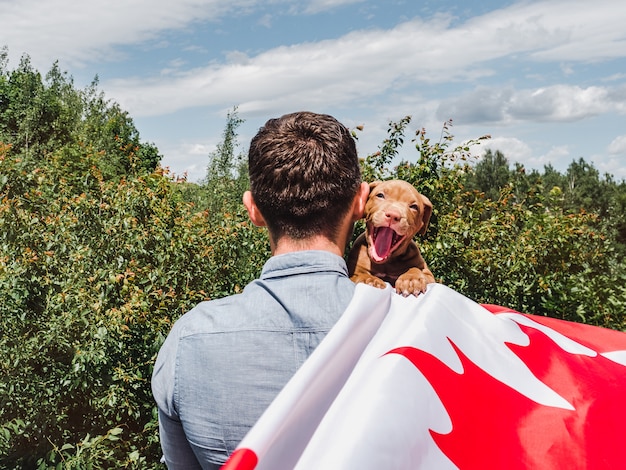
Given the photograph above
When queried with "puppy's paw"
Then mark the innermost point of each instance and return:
(376, 282)
(370, 281)
(411, 284)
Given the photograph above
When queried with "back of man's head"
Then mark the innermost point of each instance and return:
(304, 174)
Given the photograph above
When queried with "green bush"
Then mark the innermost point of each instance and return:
(93, 273)
(530, 258)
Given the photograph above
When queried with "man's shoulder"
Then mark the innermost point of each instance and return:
(213, 316)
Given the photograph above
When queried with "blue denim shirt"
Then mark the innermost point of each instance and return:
(225, 360)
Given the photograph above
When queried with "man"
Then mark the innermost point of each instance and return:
(226, 360)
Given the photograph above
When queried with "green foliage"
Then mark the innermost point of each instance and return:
(375, 166)
(529, 257)
(220, 196)
(39, 116)
(93, 272)
(580, 188)
(110, 131)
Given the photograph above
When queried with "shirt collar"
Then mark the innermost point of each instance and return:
(303, 262)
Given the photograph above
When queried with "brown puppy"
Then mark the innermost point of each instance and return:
(395, 212)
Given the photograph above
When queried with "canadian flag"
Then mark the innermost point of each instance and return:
(441, 382)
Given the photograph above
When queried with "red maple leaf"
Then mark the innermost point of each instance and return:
(495, 426)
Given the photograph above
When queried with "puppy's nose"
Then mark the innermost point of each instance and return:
(392, 215)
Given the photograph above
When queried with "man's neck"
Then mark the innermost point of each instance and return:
(289, 245)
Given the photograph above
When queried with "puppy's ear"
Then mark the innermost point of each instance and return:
(373, 184)
(428, 211)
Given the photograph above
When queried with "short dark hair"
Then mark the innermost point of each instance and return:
(304, 174)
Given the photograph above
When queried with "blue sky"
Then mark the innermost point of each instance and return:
(546, 79)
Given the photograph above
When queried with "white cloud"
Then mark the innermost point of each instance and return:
(391, 72)
(558, 30)
(555, 153)
(187, 159)
(615, 77)
(618, 97)
(481, 105)
(513, 148)
(618, 146)
(266, 21)
(554, 103)
(549, 30)
(612, 165)
(592, 31)
(559, 103)
(316, 6)
(81, 31)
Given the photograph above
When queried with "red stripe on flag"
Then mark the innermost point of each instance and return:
(497, 308)
(241, 459)
(599, 339)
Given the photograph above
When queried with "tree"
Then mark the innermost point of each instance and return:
(490, 174)
(227, 171)
(111, 132)
(584, 189)
(40, 116)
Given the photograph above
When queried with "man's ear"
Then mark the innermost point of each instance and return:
(358, 208)
(253, 211)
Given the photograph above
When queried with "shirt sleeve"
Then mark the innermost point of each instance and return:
(164, 373)
(177, 453)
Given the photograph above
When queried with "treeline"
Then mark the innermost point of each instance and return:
(579, 188)
(101, 251)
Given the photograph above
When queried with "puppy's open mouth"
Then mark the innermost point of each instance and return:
(384, 241)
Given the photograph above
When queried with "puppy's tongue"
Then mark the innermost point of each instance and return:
(382, 243)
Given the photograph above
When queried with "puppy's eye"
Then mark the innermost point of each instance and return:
(381, 195)
(414, 207)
